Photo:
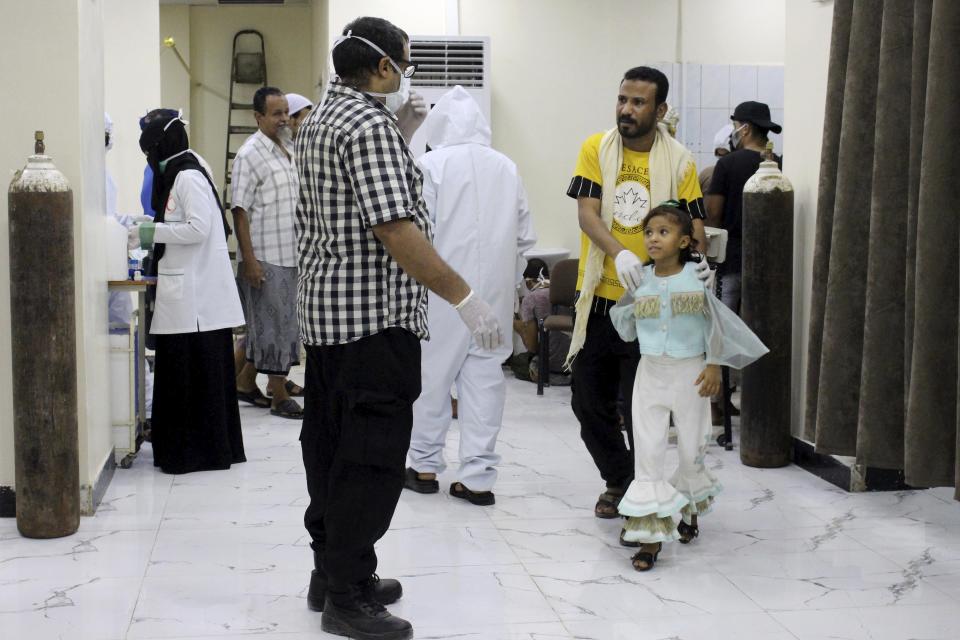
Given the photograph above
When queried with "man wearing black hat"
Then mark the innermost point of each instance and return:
(724, 196)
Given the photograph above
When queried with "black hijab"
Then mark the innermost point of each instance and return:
(161, 139)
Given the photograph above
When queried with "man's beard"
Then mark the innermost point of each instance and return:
(285, 135)
(632, 129)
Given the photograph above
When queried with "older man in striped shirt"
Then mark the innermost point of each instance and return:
(264, 197)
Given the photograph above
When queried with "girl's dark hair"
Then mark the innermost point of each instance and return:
(682, 218)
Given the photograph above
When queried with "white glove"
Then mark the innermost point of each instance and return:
(139, 219)
(411, 115)
(479, 318)
(629, 270)
(705, 273)
(133, 237)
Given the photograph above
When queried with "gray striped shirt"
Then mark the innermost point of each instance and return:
(265, 184)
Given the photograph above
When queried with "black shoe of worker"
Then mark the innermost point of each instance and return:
(412, 481)
(354, 614)
(383, 591)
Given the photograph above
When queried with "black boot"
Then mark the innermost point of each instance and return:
(383, 591)
(355, 614)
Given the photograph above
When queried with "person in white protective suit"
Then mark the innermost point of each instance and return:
(482, 228)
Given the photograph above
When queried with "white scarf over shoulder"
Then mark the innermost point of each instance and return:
(670, 162)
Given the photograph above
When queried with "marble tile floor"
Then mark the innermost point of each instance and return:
(784, 556)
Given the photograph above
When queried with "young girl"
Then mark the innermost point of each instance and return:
(670, 314)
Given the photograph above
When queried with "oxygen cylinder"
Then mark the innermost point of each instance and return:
(767, 308)
(43, 325)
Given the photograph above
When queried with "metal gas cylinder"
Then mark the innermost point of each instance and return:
(43, 324)
(767, 308)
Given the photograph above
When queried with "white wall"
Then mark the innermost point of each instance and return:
(53, 48)
(805, 92)
(416, 17)
(131, 68)
(321, 49)
(288, 34)
(93, 396)
(174, 81)
(556, 65)
(733, 31)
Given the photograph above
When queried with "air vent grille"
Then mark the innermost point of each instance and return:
(445, 63)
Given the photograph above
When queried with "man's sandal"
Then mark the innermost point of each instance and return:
(687, 532)
(607, 504)
(254, 397)
(293, 390)
(644, 560)
(287, 409)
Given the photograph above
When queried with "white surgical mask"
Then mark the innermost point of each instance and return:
(396, 100)
(736, 138)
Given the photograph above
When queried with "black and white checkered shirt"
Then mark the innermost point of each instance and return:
(355, 172)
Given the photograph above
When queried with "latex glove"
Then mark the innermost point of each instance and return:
(480, 319)
(411, 115)
(629, 270)
(133, 237)
(705, 273)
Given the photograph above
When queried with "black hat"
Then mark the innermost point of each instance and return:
(755, 113)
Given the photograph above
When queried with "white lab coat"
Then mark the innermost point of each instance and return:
(482, 227)
(196, 289)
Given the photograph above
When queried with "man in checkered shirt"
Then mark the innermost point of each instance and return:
(264, 197)
(366, 263)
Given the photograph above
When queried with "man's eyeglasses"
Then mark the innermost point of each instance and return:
(409, 68)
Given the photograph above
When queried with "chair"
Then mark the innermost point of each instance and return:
(563, 290)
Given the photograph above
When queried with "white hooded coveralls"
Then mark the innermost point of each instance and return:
(482, 228)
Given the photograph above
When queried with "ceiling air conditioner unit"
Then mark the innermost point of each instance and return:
(444, 62)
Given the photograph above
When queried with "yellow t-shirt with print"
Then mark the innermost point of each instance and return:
(631, 206)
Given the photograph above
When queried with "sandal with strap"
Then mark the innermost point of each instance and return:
(607, 504)
(288, 409)
(293, 390)
(254, 397)
(687, 532)
(644, 560)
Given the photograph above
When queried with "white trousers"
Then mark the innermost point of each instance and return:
(481, 393)
(664, 385)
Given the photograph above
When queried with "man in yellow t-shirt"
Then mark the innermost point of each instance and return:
(605, 367)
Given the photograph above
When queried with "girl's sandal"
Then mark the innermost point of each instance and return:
(687, 532)
(644, 560)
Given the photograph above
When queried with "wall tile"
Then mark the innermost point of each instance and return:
(715, 86)
(692, 89)
(743, 84)
(770, 86)
(711, 120)
(689, 131)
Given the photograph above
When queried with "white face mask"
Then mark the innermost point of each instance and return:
(735, 138)
(396, 100)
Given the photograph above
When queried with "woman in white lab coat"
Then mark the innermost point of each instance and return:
(196, 420)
